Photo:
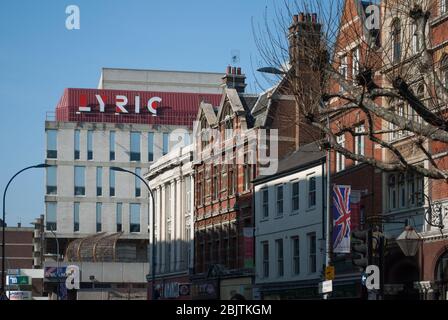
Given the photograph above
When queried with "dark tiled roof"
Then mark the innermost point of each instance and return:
(307, 154)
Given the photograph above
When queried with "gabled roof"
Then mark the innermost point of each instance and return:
(209, 112)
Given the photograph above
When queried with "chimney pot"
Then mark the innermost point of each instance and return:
(308, 17)
(238, 71)
(228, 70)
(233, 70)
(19, 225)
(295, 18)
(301, 17)
(314, 17)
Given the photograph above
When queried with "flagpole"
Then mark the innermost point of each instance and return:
(328, 225)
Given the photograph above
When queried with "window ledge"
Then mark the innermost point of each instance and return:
(278, 217)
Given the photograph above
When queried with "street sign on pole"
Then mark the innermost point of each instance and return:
(329, 273)
(326, 286)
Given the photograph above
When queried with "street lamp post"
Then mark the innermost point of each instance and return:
(57, 263)
(42, 165)
(153, 250)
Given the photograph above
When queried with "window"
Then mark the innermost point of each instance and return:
(343, 69)
(295, 196)
(279, 200)
(111, 183)
(77, 144)
(400, 111)
(80, 178)
(355, 63)
(166, 143)
(168, 201)
(443, 6)
(246, 174)
(392, 191)
(188, 208)
(138, 182)
(90, 145)
(311, 192)
(265, 246)
(52, 144)
(265, 202)
(119, 217)
(412, 189)
(99, 216)
(215, 183)
(99, 181)
(402, 188)
(52, 180)
(444, 70)
(150, 146)
(416, 43)
(359, 141)
(134, 217)
(135, 146)
(295, 255)
(279, 249)
(76, 217)
(396, 39)
(232, 179)
(340, 158)
(112, 145)
(312, 263)
(51, 216)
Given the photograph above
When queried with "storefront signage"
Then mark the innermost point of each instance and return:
(19, 295)
(326, 286)
(121, 104)
(17, 280)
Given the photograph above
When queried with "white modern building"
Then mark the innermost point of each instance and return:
(94, 130)
(160, 80)
(289, 219)
(172, 180)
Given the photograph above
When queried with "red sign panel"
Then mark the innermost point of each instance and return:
(118, 106)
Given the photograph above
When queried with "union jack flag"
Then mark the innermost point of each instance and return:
(341, 219)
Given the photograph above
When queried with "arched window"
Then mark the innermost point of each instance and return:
(396, 40)
(416, 40)
(441, 276)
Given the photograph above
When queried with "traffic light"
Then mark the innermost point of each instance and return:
(361, 248)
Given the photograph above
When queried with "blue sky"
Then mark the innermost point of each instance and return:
(39, 57)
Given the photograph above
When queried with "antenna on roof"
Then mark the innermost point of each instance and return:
(234, 61)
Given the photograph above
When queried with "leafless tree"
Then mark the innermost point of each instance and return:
(395, 83)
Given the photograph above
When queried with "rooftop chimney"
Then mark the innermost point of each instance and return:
(234, 79)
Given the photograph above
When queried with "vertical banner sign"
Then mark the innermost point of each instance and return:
(248, 234)
(341, 219)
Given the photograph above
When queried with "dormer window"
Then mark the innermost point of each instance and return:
(396, 40)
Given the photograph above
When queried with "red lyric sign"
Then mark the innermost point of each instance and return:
(121, 104)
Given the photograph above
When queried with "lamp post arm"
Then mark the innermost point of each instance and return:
(2, 291)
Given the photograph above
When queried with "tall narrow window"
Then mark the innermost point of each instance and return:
(359, 141)
(279, 200)
(112, 145)
(246, 173)
(134, 218)
(392, 191)
(355, 63)
(444, 70)
(150, 146)
(51, 216)
(168, 201)
(80, 178)
(312, 263)
(188, 207)
(402, 188)
(396, 39)
(265, 248)
(416, 43)
(412, 190)
(295, 255)
(77, 142)
(135, 146)
(265, 202)
(343, 69)
(138, 182)
(99, 181)
(295, 196)
(443, 6)
(119, 217)
(52, 180)
(279, 249)
(90, 145)
(311, 191)
(99, 216)
(215, 183)
(111, 183)
(166, 143)
(340, 158)
(76, 217)
(52, 144)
